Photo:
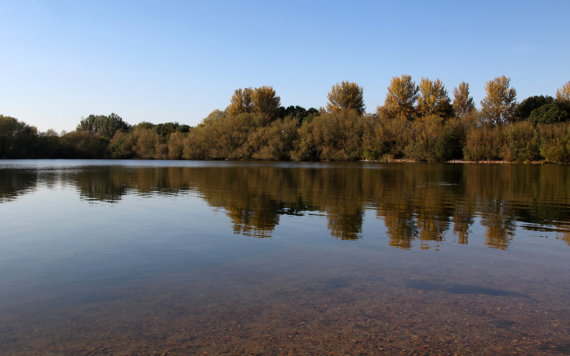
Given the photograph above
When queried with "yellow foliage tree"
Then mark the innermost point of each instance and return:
(241, 102)
(499, 106)
(462, 102)
(265, 102)
(433, 99)
(346, 96)
(563, 94)
(400, 100)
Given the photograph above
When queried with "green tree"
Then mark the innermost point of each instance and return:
(433, 99)
(563, 94)
(552, 113)
(168, 128)
(462, 101)
(346, 96)
(400, 100)
(9, 128)
(87, 124)
(105, 126)
(499, 106)
(525, 108)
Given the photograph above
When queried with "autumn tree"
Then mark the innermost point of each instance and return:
(346, 96)
(462, 101)
(265, 102)
(563, 94)
(400, 100)
(499, 106)
(241, 102)
(433, 99)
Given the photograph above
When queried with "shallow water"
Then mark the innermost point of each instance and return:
(180, 258)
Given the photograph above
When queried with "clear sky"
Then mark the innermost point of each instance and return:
(162, 61)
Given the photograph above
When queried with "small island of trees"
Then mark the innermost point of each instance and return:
(418, 122)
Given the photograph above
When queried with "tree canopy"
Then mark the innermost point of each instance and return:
(9, 128)
(433, 99)
(266, 102)
(262, 101)
(105, 126)
(462, 101)
(400, 100)
(499, 105)
(563, 94)
(346, 96)
(525, 108)
(552, 113)
(241, 102)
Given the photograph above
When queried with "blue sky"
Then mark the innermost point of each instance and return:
(162, 61)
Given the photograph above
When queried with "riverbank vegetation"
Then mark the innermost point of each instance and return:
(418, 121)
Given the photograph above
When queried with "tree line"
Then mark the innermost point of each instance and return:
(418, 121)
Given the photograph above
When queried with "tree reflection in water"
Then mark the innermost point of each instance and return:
(418, 203)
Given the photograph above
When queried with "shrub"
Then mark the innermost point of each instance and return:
(483, 143)
(521, 143)
(555, 142)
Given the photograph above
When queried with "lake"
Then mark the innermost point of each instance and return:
(104, 257)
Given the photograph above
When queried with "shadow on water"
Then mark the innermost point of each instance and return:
(330, 285)
(503, 324)
(455, 288)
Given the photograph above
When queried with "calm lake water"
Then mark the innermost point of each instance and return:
(184, 258)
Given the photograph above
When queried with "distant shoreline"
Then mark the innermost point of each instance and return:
(402, 160)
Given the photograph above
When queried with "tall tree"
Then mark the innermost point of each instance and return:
(265, 102)
(241, 102)
(462, 101)
(346, 96)
(400, 100)
(563, 94)
(433, 99)
(526, 107)
(499, 106)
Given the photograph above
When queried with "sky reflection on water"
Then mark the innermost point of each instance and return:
(176, 255)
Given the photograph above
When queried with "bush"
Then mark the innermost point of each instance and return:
(273, 142)
(521, 143)
(140, 143)
(433, 139)
(483, 143)
(335, 136)
(555, 142)
(82, 144)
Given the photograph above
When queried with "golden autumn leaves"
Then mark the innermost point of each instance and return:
(404, 100)
(262, 101)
